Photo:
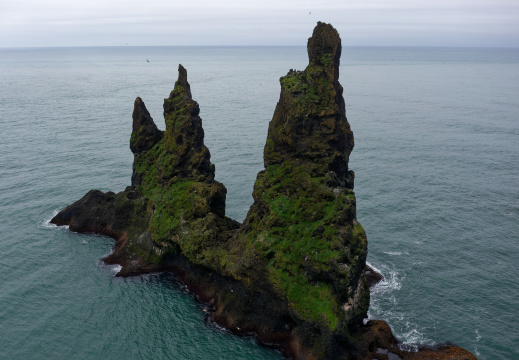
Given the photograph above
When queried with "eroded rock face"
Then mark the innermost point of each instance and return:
(174, 205)
(145, 133)
(184, 137)
(293, 272)
(309, 124)
(303, 221)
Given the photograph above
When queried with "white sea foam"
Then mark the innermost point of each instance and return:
(373, 267)
(476, 351)
(412, 337)
(48, 224)
(382, 292)
(396, 253)
(384, 305)
(391, 281)
(115, 268)
(405, 346)
(112, 268)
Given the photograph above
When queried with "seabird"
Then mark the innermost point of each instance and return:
(147, 60)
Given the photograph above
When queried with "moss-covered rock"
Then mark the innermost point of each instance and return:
(174, 205)
(300, 245)
(184, 137)
(293, 272)
(145, 133)
(303, 220)
(309, 124)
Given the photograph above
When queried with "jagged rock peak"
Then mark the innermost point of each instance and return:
(184, 135)
(145, 133)
(182, 80)
(324, 47)
(309, 125)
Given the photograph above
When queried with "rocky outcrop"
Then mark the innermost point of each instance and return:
(375, 341)
(174, 205)
(303, 221)
(294, 273)
(309, 124)
(184, 137)
(145, 133)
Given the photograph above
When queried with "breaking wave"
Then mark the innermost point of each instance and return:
(384, 306)
(48, 224)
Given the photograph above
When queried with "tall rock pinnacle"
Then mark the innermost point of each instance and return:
(184, 136)
(145, 133)
(309, 123)
(303, 220)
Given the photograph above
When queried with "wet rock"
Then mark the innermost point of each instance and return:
(372, 277)
(376, 341)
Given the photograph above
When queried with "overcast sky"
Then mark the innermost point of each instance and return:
(257, 22)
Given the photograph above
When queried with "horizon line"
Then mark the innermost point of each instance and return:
(250, 46)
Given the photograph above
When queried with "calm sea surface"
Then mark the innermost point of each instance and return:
(437, 183)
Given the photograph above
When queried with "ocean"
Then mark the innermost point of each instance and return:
(436, 160)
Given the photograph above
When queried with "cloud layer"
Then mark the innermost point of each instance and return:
(268, 22)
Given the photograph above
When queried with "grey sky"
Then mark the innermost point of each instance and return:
(265, 22)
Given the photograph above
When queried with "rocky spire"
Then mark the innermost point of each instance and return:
(324, 49)
(309, 124)
(184, 135)
(145, 133)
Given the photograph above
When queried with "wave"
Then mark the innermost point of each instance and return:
(384, 305)
(48, 224)
(114, 269)
(396, 253)
(413, 338)
(391, 281)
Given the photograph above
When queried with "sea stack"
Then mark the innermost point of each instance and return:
(303, 220)
(293, 273)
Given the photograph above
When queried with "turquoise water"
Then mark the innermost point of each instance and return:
(437, 175)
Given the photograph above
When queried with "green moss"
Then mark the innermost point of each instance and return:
(300, 231)
(311, 301)
(359, 240)
(326, 59)
(310, 89)
(181, 218)
(300, 237)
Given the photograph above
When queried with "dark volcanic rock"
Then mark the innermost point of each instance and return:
(309, 123)
(145, 133)
(122, 216)
(376, 341)
(372, 277)
(303, 222)
(294, 272)
(173, 206)
(184, 138)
